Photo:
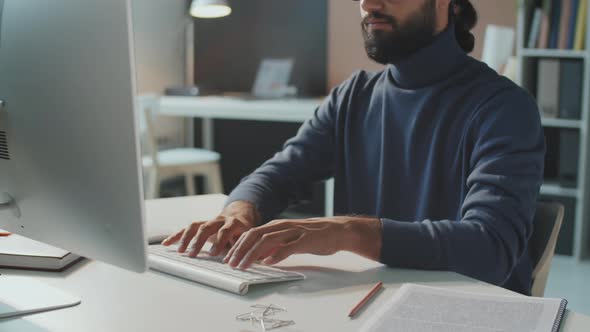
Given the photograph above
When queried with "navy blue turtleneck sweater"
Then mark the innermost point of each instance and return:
(447, 153)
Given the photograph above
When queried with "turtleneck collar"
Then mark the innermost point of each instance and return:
(430, 64)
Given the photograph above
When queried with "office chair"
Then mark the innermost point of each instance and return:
(547, 223)
(187, 162)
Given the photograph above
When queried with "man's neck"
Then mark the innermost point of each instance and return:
(431, 64)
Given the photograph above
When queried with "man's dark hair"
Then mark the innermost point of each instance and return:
(465, 18)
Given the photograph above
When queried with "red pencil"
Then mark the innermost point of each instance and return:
(365, 299)
(5, 234)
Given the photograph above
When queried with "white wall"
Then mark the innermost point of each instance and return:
(159, 53)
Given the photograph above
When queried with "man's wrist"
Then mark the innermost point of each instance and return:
(245, 210)
(364, 236)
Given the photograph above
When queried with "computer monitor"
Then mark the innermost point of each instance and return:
(69, 148)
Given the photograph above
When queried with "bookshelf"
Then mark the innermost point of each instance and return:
(542, 53)
(579, 193)
(554, 189)
(561, 123)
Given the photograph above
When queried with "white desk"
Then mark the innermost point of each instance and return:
(116, 300)
(209, 108)
(217, 107)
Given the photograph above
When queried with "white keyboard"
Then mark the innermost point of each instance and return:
(211, 270)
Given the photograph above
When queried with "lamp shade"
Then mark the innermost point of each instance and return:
(210, 8)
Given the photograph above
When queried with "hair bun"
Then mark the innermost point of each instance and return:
(465, 39)
(465, 18)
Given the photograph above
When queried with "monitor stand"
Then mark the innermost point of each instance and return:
(7, 202)
(21, 296)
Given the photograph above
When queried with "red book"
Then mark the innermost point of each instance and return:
(564, 24)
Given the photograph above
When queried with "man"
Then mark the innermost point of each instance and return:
(437, 160)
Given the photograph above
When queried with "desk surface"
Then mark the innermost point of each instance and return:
(215, 107)
(117, 300)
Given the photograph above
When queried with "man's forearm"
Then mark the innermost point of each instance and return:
(365, 237)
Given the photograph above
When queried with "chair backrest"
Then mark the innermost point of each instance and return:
(547, 223)
(147, 109)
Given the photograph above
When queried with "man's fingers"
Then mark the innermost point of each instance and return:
(247, 240)
(252, 234)
(225, 235)
(188, 235)
(173, 238)
(204, 232)
(248, 253)
(280, 254)
(266, 244)
(250, 238)
(231, 251)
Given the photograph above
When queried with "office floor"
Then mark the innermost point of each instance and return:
(570, 280)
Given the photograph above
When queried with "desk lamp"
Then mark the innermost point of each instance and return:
(210, 8)
(198, 9)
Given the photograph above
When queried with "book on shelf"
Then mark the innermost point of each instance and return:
(554, 27)
(571, 81)
(564, 24)
(535, 28)
(572, 24)
(581, 21)
(548, 87)
(569, 144)
(551, 170)
(542, 41)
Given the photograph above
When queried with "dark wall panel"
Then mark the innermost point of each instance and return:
(228, 50)
(245, 145)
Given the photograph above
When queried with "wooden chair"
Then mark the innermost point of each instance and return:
(547, 223)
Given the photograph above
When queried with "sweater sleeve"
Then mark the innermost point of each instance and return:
(506, 173)
(304, 159)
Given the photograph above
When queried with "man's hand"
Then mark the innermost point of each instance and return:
(236, 218)
(280, 239)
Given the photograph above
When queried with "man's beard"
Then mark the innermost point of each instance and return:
(387, 47)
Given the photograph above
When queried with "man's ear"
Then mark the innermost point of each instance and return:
(443, 5)
(442, 11)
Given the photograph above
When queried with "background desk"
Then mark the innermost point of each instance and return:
(116, 300)
(209, 108)
(231, 108)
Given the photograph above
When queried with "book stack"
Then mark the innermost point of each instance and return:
(558, 24)
(559, 88)
(18, 252)
(559, 95)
